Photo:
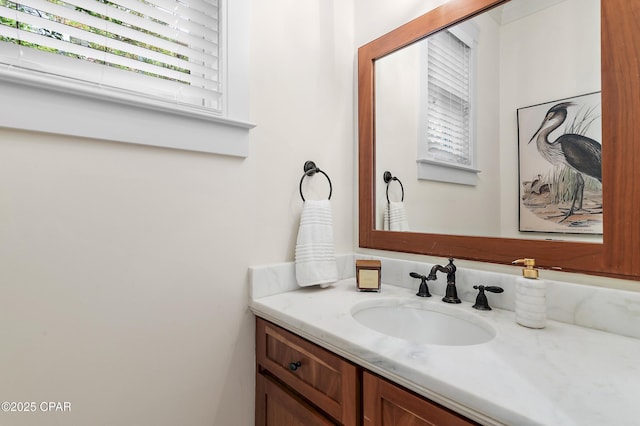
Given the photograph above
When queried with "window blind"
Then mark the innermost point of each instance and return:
(162, 49)
(448, 98)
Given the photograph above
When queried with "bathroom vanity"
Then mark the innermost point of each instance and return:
(564, 374)
(299, 382)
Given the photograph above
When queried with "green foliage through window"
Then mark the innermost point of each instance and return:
(98, 48)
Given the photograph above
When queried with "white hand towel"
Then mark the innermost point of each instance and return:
(395, 217)
(315, 253)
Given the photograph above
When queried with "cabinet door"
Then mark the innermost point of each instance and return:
(276, 406)
(386, 404)
(322, 377)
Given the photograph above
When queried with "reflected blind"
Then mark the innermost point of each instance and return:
(157, 48)
(448, 98)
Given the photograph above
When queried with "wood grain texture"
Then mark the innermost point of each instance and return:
(386, 404)
(277, 407)
(621, 135)
(619, 254)
(323, 378)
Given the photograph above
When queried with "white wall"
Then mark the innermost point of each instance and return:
(303, 102)
(123, 269)
(374, 18)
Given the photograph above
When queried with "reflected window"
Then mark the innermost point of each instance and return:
(448, 74)
(447, 140)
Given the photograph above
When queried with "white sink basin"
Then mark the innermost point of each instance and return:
(433, 323)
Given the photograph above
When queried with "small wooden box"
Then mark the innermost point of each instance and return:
(368, 275)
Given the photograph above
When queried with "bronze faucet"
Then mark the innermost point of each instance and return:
(451, 294)
(423, 291)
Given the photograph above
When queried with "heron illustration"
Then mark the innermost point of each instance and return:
(578, 152)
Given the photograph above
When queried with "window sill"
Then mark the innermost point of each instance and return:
(64, 107)
(441, 172)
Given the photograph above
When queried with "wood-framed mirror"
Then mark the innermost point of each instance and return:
(619, 253)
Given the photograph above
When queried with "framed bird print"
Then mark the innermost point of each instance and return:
(560, 167)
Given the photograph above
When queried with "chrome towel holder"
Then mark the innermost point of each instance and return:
(388, 177)
(311, 169)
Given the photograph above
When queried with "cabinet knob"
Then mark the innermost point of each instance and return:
(293, 366)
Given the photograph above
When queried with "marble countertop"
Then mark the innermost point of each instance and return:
(561, 375)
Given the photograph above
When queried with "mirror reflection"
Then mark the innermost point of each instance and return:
(479, 73)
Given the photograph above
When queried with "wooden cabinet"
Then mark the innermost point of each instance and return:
(323, 379)
(387, 404)
(275, 406)
(299, 383)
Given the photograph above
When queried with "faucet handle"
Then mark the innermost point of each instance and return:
(481, 300)
(423, 291)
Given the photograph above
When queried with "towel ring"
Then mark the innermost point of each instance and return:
(387, 179)
(310, 169)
